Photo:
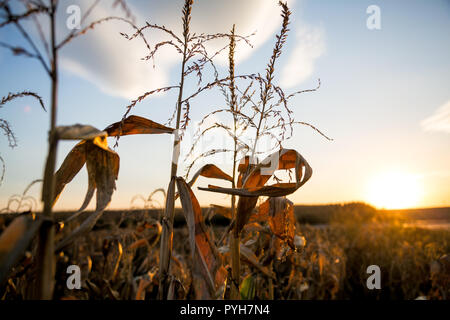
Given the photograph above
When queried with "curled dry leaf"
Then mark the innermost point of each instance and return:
(103, 168)
(253, 183)
(208, 270)
(78, 132)
(210, 171)
(136, 125)
(14, 240)
(74, 161)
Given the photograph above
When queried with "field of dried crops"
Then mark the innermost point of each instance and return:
(260, 248)
(119, 260)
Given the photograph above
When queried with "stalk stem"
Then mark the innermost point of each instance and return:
(169, 213)
(234, 238)
(45, 252)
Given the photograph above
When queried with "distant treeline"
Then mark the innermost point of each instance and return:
(305, 214)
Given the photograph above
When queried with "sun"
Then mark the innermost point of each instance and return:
(394, 190)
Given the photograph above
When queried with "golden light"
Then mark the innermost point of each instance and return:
(394, 190)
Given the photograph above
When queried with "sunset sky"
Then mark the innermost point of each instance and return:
(384, 98)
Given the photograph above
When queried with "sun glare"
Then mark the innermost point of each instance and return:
(394, 190)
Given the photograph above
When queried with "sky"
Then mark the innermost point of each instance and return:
(384, 97)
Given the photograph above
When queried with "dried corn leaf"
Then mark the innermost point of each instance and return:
(136, 125)
(253, 185)
(71, 165)
(245, 209)
(275, 190)
(280, 213)
(208, 270)
(14, 241)
(210, 171)
(78, 132)
(103, 168)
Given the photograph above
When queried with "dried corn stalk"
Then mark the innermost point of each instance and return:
(209, 274)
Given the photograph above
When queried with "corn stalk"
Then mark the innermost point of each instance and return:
(234, 238)
(45, 251)
(169, 212)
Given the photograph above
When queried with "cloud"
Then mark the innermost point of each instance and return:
(300, 65)
(103, 57)
(114, 64)
(439, 121)
(262, 17)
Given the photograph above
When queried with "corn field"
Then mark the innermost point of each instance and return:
(259, 252)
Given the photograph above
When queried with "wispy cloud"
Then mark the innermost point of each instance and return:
(300, 65)
(111, 62)
(439, 121)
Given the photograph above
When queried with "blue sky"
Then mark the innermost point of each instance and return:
(378, 87)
